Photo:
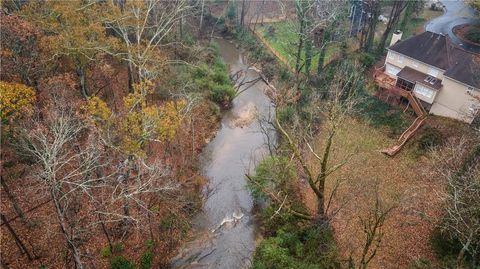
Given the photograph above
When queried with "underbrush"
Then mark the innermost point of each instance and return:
(297, 247)
(120, 262)
(289, 242)
(380, 114)
(447, 248)
(214, 81)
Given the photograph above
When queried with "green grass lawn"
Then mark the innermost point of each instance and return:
(414, 26)
(284, 40)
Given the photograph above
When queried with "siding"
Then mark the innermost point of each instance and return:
(402, 61)
(454, 101)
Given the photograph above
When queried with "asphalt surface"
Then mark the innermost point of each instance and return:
(457, 12)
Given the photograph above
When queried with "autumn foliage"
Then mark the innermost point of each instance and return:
(100, 164)
(16, 100)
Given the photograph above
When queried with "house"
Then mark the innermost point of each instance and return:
(444, 77)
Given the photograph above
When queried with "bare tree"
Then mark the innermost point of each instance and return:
(327, 21)
(459, 167)
(144, 26)
(398, 6)
(64, 168)
(339, 102)
(372, 225)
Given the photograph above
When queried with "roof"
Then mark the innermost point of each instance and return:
(437, 50)
(465, 67)
(414, 76)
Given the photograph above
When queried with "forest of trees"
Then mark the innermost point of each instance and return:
(107, 105)
(100, 133)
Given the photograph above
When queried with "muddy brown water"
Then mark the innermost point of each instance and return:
(225, 228)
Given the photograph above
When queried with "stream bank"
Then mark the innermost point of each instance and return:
(225, 229)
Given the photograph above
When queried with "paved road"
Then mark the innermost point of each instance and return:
(456, 12)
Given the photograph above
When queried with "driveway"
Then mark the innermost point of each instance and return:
(457, 12)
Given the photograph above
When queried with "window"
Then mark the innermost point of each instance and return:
(422, 90)
(405, 84)
(391, 55)
(433, 72)
(392, 70)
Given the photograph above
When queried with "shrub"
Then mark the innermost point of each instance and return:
(231, 10)
(216, 82)
(380, 114)
(286, 114)
(118, 248)
(421, 263)
(120, 262)
(311, 247)
(367, 59)
(106, 252)
(222, 95)
(270, 254)
(429, 139)
(146, 261)
(149, 244)
(445, 247)
(473, 34)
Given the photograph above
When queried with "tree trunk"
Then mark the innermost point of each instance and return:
(19, 242)
(460, 257)
(321, 58)
(130, 78)
(14, 201)
(300, 47)
(461, 254)
(308, 43)
(397, 9)
(371, 31)
(83, 84)
(105, 231)
(323, 176)
(63, 229)
(201, 17)
(242, 14)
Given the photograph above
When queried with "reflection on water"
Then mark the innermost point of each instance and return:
(225, 227)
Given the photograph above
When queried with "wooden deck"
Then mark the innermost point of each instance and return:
(387, 83)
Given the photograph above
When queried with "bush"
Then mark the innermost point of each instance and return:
(286, 114)
(473, 34)
(106, 252)
(311, 247)
(118, 248)
(447, 248)
(222, 95)
(216, 82)
(367, 59)
(231, 10)
(380, 114)
(120, 262)
(146, 261)
(431, 138)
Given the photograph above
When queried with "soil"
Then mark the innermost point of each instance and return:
(406, 180)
